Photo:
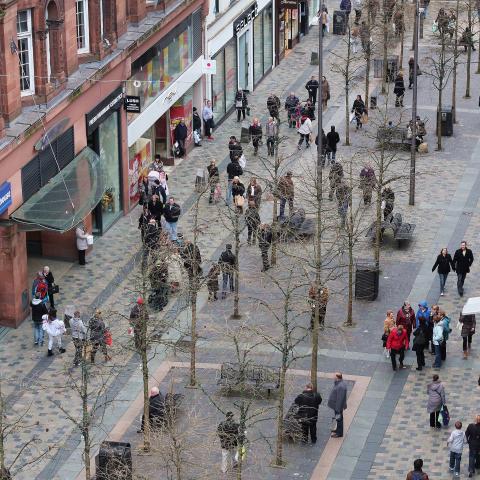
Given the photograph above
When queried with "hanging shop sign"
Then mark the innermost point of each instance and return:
(113, 102)
(51, 134)
(132, 104)
(245, 19)
(5, 196)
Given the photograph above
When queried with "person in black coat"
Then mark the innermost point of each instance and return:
(47, 273)
(192, 259)
(143, 220)
(399, 90)
(252, 219)
(264, 242)
(420, 342)
(158, 190)
(227, 265)
(358, 109)
(308, 401)
(155, 207)
(333, 138)
(38, 310)
(273, 105)
(241, 104)
(235, 149)
(312, 88)
(180, 134)
(255, 131)
(443, 262)
(462, 261)
(196, 121)
(156, 411)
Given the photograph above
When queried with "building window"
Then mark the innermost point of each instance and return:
(25, 52)
(83, 44)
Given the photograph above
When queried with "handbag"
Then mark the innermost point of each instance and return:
(445, 416)
(239, 201)
(55, 288)
(238, 104)
(365, 118)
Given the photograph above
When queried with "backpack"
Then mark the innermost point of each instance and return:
(418, 476)
(446, 328)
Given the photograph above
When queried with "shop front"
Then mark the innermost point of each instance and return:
(104, 137)
(288, 26)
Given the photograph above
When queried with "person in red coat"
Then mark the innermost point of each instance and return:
(406, 317)
(397, 343)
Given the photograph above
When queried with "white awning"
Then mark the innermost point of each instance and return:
(472, 306)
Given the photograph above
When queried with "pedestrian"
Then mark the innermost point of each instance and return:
(319, 295)
(397, 343)
(252, 219)
(227, 262)
(264, 242)
(388, 202)
(271, 132)
(197, 128)
(357, 6)
(358, 109)
(273, 106)
(156, 410)
(399, 89)
(337, 401)
(367, 183)
(308, 109)
(180, 134)
(255, 131)
(323, 18)
(143, 220)
(437, 339)
(462, 261)
(312, 88)
(233, 170)
(155, 208)
(97, 330)
(254, 192)
(411, 68)
(424, 313)
(40, 286)
(468, 330)
(406, 317)
(51, 287)
(344, 200)
(238, 193)
(365, 36)
(234, 148)
(445, 321)
(346, 6)
(207, 114)
(399, 22)
(455, 442)
(82, 244)
(335, 177)
(355, 36)
(388, 326)
(436, 399)
(152, 235)
(192, 260)
(417, 473)
(443, 262)
(305, 131)
(333, 138)
(138, 322)
(325, 92)
(79, 335)
(213, 179)
(241, 103)
(172, 212)
(286, 192)
(228, 433)
(159, 187)
(467, 39)
(39, 309)
(308, 401)
(420, 342)
(212, 281)
(55, 328)
(291, 104)
(473, 438)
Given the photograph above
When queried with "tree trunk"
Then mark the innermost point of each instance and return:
(350, 230)
(86, 454)
(347, 87)
(146, 400)
(478, 61)
(385, 50)
(455, 64)
(242, 428)
(281, 398)
(236, 313)
(85, 416)
(378, 222)
(469, 50)
(193, 335)
(273, 256)
(440, 93)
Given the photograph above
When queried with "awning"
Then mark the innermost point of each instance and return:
(67, 198)
(472, 306)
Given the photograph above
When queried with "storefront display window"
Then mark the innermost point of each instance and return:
(224, 82)
(313, 7)
(140, 157)
(267, 39)
(218, 86)
(258, 48)
(183, 108)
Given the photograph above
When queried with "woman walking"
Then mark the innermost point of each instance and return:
(436, 398)
(255, 132)
(399, 89)
(420, 341)
(241, 104)
(444, 262)
(55, 328)
(305, 131)
(325, 92)
(388, 326)
(406, 317)
(468, 329)
(358, 110)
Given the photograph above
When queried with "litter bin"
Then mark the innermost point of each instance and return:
(114, 461)
(366, 281)
(339, 22)
(446, 121)
(245, 135)
(373, 102)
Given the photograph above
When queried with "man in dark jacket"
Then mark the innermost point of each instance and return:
(227, 265)
(197, 128)
(346, 6)
(180, 134)
(332, 140)
(172, 212)
(228, 433)
(462, 261)
(473, 438)
(367, 183)
(264, 242)
(252, 219)
(312, 87)
(138, 321)
(338, 403)
(233, 170)
(308, 401)
(156, 411)
(335, 177)
(235, 148)
(38, 310)
(290, 106)
(273, 105)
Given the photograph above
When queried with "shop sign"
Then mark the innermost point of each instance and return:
(5, 196)
(170, 95)
(290, 4)
(132, 104)
(246, 18)
(209, 66)
(51, 134)
(113, 102)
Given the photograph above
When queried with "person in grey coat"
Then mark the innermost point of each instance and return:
(436, 398)
(82, 244)
(337, 401)
(79, 335)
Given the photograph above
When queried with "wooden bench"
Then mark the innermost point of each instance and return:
(233, 376)
(401, 231)
(392, 136)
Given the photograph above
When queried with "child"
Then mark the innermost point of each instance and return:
(212, 281)
(456, 442)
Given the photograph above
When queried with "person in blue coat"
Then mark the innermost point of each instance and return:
(424, 313)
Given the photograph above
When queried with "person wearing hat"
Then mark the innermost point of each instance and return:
(227, 265)
(286, 192)
(308, 401)
(228, 433)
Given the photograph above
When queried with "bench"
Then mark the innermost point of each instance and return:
(392, 136)
(233, 376)
(401, 231)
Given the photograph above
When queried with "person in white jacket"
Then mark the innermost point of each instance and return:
(455, 442)
(437, 341)
(82, 244)
(55, 328)
(305, 131)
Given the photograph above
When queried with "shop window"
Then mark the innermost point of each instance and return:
(218, 86)
(81, 16)
(25, 52)
(230, 73)
(267, 39)
(258, 49)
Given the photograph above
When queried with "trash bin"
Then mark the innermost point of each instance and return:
(373, 102)
(114, 461)
(366, 281)
(339, 22)
(314, 58)
(446, 121)
(245, 135)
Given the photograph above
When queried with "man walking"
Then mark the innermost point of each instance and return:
(286, 190)
(473, 438)
(332, 139)
(227, 265)
(312, 87)
(264, 241)
(337, 401)
(79, 335)
(308, 401)
(397, 343)
(462, 261)
(228, 432)
(172, 213)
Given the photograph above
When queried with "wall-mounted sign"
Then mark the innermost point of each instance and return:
(209, 66)
(95, 117)
(246, 18)
(5, 196)
(51, 134)
(132, 104)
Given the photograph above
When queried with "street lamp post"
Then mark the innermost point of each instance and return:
(413, 145)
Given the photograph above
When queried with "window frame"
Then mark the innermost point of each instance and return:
(86, 26)
(28, 35)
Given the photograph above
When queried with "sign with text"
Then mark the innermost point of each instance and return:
(246, 18)
(5, 196)
(132, 104)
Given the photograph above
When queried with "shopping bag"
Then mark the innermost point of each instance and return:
(352, 116)
(242, 161)
(365, 118)
(107, 336)
(445, 416)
